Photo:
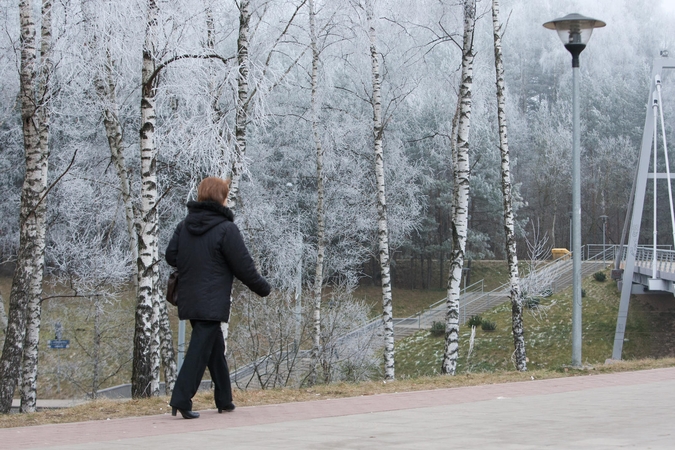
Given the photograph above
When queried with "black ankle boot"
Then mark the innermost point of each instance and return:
(229, 407)
(186, 414)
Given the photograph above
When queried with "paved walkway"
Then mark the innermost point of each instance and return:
(622, 410)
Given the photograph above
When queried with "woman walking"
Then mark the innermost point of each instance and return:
(208, 251)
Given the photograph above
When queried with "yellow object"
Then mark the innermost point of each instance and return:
(560, 253)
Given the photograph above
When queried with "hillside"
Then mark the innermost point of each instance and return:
(649, 334)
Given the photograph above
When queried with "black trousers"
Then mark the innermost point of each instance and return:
(207, 348)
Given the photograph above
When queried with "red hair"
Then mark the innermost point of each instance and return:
(213, 189)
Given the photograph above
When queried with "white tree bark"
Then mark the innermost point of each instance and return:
(29, 370)
(166, 350)
(3, 315)
(320, 213)
(509, 221)
(459, 219)
(96, 351)
(28, 275)
(114, 134)
(145, 368)
(382, 230)
(244, 96)
(242, 107)
(106, 91)
(223, 164)
(104, 84)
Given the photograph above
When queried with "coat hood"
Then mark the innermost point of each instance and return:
(202, 216)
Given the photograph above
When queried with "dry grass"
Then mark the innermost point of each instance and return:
(109, 409)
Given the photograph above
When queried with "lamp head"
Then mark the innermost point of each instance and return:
(574, 31)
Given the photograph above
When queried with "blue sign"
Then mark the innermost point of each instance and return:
(59, 343)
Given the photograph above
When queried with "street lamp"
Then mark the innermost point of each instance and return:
(571, 215)
(604, 234)
(298, 274)
(574, 31)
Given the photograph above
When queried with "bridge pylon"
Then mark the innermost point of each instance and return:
(636, 205)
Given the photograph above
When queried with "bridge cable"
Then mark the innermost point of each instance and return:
(655, 105)
(665, 151)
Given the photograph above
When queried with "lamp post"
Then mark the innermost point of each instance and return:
(571, 215)
(604, 234)
(574, 31)
(298, 275)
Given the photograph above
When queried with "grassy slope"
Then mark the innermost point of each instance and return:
(547, 336)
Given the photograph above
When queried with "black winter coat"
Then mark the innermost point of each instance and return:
(208, 250)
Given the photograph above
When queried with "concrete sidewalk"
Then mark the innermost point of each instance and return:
(632, 409)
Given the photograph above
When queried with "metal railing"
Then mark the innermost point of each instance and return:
(553, 271)
(431, 312)
(644, 256)
(665, 259)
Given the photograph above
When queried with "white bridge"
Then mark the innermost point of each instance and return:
(639, 267)
(653, 271)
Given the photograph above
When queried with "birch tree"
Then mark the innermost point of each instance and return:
(24, 301)
(145, 371)
(29, 371)
(104, 83)
(382, 230)
(3, 315)
(509, 221)
(320, 214)
(147, 223)
(245, 95)
(242, 106)
(461, 193)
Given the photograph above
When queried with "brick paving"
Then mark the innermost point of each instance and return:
(150, 431)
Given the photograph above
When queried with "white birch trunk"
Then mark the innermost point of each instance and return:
(96, 351)
(167, 352)
(241, 114)
(461, 195)
(145, 368)
(453, 154)
(29, 370)
(28, 275)
(223, 165)
(382, 230)
(3, 315)
(114, 134)
(30, 357)
(320, 218)
(105, 87)
(106, 90)
(225, 161)
(509, 221)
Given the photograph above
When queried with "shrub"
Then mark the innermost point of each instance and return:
(437, 329)
(532, 302)
(600, 276)
(474, 321)
(488, 325)
(583, 293)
